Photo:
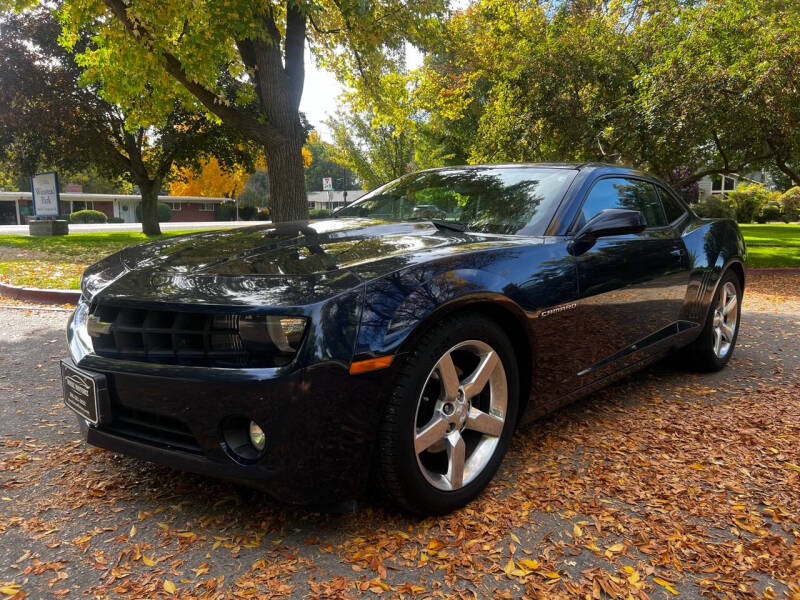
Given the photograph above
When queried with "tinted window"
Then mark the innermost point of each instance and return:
(672, 207)
(623, 193)
(492, 200)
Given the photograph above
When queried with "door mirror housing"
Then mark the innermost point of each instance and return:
(612, 221)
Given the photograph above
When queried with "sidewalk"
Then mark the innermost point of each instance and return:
(112, 227)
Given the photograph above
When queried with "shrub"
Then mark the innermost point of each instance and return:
(224, 211)
(790, 202)
(88, 216)
(714, 207)
(746, 201)
(246, 213)
(771, 211)
(319, 213)
(164, 212)
(262, 215)
(116, 220)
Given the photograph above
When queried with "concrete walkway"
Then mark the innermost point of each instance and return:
(112, 227)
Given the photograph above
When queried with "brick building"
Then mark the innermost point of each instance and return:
(16, 207)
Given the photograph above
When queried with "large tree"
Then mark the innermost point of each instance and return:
(50, 117)
(243, 61)
(683, 89)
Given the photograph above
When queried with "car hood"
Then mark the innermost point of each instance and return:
(276, 265)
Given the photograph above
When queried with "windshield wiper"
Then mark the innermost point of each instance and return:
(450, 225)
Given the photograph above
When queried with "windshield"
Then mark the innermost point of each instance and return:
(506, 200)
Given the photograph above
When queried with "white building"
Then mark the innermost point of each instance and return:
(722, 184)
(333, 199)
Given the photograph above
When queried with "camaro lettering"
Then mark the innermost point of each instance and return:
(558, 309)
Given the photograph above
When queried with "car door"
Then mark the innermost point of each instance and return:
(631, 287)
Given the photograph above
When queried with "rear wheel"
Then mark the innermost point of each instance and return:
(713, 348)
(449, 420)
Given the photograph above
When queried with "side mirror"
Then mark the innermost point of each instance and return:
(612, 221)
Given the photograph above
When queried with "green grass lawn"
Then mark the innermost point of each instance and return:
(59, 261)
(773, 245)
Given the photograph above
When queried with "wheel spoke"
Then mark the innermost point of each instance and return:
(456, 457)
(475, 383)
(717, 340)
(484, 422)
(729, 306)
(433, 432)
(727, 332)
(448, 376)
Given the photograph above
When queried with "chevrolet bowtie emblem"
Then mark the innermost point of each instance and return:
(97, 327)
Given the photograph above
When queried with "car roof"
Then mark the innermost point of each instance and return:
(577, 166)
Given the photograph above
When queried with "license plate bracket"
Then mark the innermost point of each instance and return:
(84, 392)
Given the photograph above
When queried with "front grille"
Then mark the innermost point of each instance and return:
(168, 337)
(152, 428)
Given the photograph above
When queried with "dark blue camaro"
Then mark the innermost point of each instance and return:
(403, 338)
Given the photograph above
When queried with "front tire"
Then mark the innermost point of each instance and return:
(450, 417)
(712, 350)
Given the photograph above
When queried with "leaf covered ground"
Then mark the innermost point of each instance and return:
(665, 485)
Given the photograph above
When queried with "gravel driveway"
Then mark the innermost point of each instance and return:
(666, 483)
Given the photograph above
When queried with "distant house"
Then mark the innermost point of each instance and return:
(333, 199)
(16, 207)
(722, 184)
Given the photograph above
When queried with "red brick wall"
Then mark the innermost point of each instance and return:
(105, 207)
(190, 212)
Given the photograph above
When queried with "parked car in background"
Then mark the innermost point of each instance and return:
(301, 357)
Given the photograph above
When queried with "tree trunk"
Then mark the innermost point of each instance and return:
(149, 207)
(287, 184)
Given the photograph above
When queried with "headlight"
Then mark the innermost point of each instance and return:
(272, 335)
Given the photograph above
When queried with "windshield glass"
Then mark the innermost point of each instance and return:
(507, 200)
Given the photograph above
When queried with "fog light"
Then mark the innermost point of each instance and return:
(257, 436)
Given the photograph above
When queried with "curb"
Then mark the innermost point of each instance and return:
(42, 296)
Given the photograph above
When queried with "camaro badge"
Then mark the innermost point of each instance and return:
(558, 309)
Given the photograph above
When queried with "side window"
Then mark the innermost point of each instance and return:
(672, 208)
(624, 193)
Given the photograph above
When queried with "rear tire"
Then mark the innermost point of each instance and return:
(712, 350)
(449, 419)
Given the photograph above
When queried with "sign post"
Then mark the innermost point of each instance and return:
(46, 206)
(46, 199)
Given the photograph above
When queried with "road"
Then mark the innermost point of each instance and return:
(666, 480)
(112, 227)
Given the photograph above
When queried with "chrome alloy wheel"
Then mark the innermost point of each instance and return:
(726, 317)
(460, 415)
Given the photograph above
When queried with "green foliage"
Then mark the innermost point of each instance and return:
(115, 220)
(323, 165)
(256, 191)
(319, 213)
(225, 211)
(746, 201)
(87, 216)
(164, 212)
(714, 207)
(790, 203)
(376, 153)
(770, 211)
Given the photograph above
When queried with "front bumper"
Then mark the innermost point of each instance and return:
(320, 421)
(320, 425)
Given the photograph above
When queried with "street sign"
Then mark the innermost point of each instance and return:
(44, 187)
(327, 184)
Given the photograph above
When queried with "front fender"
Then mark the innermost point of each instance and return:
(395, 305)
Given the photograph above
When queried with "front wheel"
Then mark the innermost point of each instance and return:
(713, 348)
(450, 417)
